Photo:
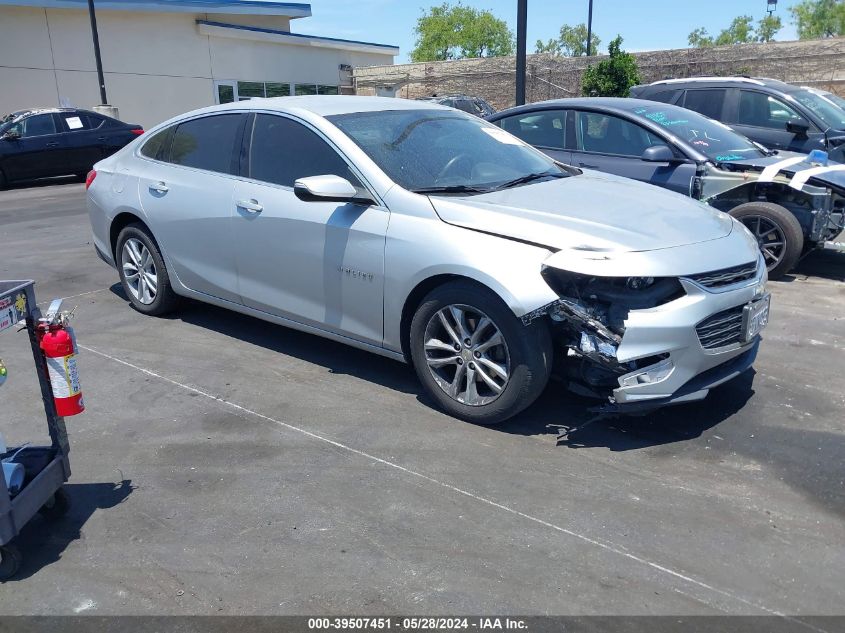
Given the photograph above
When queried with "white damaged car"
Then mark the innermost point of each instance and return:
(427, 235)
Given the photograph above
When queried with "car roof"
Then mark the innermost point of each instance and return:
(764, 82)
(328, 105)
(616, 104)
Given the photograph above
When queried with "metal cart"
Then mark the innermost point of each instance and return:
(46, 468)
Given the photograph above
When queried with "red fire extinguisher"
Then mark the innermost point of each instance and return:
(58, 343)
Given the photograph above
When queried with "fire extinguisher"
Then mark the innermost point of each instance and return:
(58, 342)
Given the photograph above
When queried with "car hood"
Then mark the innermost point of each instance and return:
(835, 179)
(591, 212)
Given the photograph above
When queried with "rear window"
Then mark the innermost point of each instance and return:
(706, 102)
(207, 143)
(154, 147)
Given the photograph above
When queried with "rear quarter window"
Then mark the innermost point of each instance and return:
(156, 144)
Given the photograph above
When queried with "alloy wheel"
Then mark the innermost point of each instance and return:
(770, 238)
(467, 355)
(139, 271)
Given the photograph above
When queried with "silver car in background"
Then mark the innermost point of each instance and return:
(430, 236)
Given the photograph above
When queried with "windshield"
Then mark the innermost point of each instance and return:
(715, 140)
(832, 115)
(430, 151)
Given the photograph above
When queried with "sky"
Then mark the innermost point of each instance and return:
(643, 24)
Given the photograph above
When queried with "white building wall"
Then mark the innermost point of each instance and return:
(156, 65)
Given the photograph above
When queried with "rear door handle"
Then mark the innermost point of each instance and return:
(250, 205)
(101, 138)
(159, 187)
(53, 144)
(588, 166)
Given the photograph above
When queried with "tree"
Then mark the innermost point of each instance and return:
(572, 42)
(700, 38)
(611, 77)
(819, 18)
(768, 27)
(741, 31)
(457, 31)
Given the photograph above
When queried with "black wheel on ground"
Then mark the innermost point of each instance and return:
(142, 271)
(57, 506)
(777, 231)
(477, 360)
(10, 561)
(3, 180)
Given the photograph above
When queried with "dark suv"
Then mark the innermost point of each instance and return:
(44, 142)
(773, 113)
(473, 105)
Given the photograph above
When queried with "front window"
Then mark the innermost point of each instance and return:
(431, 151)
(716, 141)
(832, 115)
(760, 110)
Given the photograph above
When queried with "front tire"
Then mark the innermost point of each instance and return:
(142, 271)
(778, 234)
(474, 357)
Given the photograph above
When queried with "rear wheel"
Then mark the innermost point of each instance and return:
(778, 234)
(10, 561)
(3, 180)
(142, 271)
(474, 357)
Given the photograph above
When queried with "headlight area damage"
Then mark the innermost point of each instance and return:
(589, 321)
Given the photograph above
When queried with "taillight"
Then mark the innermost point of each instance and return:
(137, 132)
(89, 179)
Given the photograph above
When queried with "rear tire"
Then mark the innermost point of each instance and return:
(777, 231)
(471, 375)
(10, 561)
(3, 180)
(142, 271)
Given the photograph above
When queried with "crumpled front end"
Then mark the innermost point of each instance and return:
(641, 342)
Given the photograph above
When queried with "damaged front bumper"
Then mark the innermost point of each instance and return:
(670, 353)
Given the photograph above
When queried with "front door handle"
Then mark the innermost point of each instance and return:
(53, 144)
(159, 187)
(101, 138)
(250, 205)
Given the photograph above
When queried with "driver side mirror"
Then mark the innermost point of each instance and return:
(799, 127)
(659, 154)
(11, 135)
(327, 188)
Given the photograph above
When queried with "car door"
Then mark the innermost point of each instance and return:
(765, 119)
(544, 129)
(40, 150)
(317, 263)
(186, 179)
(83, 148)
(614, 144)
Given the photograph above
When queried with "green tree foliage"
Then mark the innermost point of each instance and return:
(457, 31)
(572, 42)
(700, 38)
(819, 18)
(611, 77)
(768, 27)
(741, 31)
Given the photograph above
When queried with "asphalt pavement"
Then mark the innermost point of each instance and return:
(225, 465)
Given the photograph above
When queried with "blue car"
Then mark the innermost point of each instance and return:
(790, 202)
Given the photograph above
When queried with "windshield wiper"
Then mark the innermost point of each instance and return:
(451, 189)
(528, 178)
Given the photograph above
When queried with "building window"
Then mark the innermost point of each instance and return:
(231, 91)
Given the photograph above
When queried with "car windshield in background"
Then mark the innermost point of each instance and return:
(715, 140)
(436, 151)
(832, 115)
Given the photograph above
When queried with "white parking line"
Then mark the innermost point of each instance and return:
(605, 545)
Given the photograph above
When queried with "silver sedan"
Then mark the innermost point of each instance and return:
(427, 235)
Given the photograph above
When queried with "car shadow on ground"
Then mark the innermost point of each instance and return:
(42, 542)
(570, 419)
(825, 264)
(558, 411)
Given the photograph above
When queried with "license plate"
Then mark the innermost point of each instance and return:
(755, 316)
